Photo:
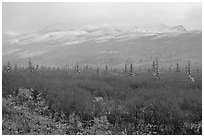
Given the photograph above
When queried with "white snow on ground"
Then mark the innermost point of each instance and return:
(101, 52)
(168, 35)
(24, 52)
(13, 41)
(112, 52)
(103, 39)
(160, 36)
(109, 52)
(27, 54)
(5, 52)
(51, 36)
(151, 34)
(59, 35)
(75, 42)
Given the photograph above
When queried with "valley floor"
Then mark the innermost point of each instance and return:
(51, 101)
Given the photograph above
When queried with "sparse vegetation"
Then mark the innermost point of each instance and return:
(62, 101)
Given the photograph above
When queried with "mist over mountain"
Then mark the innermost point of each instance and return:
(65, 44)
(156, 27)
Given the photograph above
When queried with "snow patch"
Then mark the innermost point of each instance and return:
(109, 52)
(75, 42)
(112, 52)
(27, 54)
(102, 52)
(24, 52)
(5, 52)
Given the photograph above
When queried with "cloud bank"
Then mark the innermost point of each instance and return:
(26, 17)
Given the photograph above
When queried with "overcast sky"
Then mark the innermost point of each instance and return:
(26, 17)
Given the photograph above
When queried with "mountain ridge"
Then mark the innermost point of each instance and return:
(103, 44)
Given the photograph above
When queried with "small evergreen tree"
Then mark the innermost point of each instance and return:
(156, 68)
(131, 68)
(177, 67)
(37, 68)
(77, 68)
(97, 70)
(30, 66)
(153, 67)
(188, 68)
(106, 68)
(9, 67)
(125, 68)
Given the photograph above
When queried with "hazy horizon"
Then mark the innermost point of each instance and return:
(28, 17)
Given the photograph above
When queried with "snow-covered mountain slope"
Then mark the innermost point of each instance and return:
(64, 34)
(63, 45)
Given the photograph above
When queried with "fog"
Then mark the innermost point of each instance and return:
(27, 17)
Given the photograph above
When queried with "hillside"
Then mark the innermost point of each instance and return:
(104, 44)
